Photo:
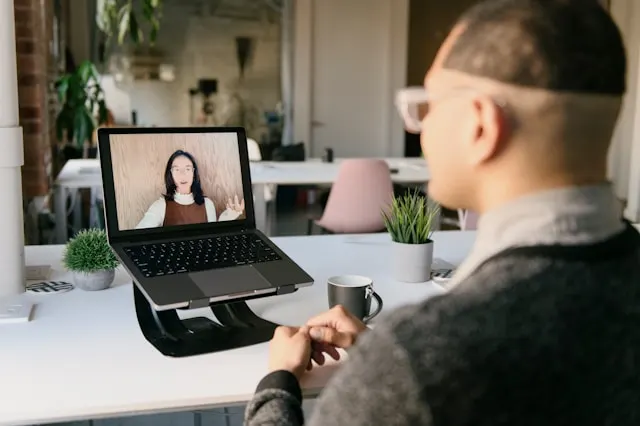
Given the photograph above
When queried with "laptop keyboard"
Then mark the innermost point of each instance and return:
(204, 254)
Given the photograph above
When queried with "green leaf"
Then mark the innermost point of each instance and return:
(75, 87)
(62, 85)
(123, 22)
(103, 114)
(83, 105)
(134, 29)
(64, 125)
(147, 9)
(80, 130)
(103, 18)
(155, 27)
(93, 72)
(90, 124)
(410, 218)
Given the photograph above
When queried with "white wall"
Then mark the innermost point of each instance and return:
(204, 47)
(395, 25)
(624, 158)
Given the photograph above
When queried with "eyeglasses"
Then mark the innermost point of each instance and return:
(413, 105)
(186, 169)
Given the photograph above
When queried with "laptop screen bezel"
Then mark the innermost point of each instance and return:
(168, 232)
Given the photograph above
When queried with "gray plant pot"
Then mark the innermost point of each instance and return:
(412, 262)
(93, 281)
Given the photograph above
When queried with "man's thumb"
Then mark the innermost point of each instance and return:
(331, 336)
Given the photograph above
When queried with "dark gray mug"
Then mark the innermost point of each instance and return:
(354, 292)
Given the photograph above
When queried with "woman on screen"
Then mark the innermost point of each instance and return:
(184, 202)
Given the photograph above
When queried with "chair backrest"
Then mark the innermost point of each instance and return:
(295, 152)
(253, 149)
(362, 190)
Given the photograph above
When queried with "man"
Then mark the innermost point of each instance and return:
(541, 325)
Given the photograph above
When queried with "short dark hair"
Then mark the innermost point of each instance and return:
(559, 45)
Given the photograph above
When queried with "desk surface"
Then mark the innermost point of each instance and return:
(86, 173)
(83, 355)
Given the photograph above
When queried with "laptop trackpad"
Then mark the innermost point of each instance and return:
(227, 281)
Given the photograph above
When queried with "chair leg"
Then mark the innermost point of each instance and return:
(309, 226)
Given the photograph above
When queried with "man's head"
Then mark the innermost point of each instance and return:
(522, 96)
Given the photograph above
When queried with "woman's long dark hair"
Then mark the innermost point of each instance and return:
(196, 187)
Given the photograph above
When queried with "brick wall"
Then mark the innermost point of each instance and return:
(36, 69)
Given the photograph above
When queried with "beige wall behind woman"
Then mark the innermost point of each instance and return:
(139, 163)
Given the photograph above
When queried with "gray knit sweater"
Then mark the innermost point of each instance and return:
(537, 335)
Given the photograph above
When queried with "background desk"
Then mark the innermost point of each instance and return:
(313, 172)
(85, 174)
(83, 355)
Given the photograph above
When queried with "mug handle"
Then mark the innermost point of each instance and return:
(378, 309)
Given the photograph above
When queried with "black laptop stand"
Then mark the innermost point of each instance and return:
(238, 326)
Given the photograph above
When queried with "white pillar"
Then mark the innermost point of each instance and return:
(286, 46)
(12, 266)
(624, 156)
(619, 158)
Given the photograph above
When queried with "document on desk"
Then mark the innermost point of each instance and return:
(15, 311)
(38, 272)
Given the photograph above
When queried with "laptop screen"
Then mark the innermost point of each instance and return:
(173, 179)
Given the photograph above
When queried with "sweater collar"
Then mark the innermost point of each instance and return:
(572, 215)
(184, 199)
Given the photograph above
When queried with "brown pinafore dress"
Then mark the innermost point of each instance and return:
(180, 214)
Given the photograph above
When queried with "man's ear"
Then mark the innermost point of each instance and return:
(491, 129)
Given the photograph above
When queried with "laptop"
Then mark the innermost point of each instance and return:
(179, 215)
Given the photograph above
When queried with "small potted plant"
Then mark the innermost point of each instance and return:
(411, 220)
(90, 259)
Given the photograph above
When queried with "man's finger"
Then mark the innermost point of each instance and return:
(325, 348)
(328, 318)
(331, 317)
(332, 337)
(284, 331)
(301, 335)
(318, 357)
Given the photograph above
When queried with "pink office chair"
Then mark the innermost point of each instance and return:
(363, 188)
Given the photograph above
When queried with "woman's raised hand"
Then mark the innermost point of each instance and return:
(235, 204)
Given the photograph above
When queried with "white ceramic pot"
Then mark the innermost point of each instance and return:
(93, 281)
(412, 262)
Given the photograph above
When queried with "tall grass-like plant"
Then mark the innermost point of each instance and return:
(89, 251)
(411, 218)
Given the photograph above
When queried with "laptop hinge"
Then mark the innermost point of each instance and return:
(287, 289)
(198, 304)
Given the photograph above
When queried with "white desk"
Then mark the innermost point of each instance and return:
(315, 172)
(83, 355)
(79, 174)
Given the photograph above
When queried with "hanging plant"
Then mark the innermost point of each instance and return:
(122, 20)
